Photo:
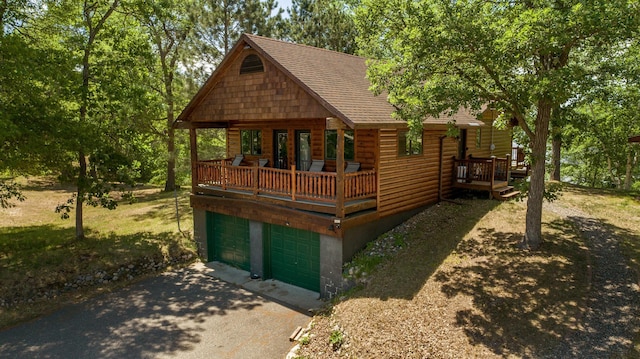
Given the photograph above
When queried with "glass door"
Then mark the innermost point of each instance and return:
(303, 149)
(280, 151)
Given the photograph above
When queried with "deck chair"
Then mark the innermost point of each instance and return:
(352, 167)
(263, 162)
(316, 166)
(238, 160)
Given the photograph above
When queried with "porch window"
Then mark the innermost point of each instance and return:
(478, 137)
(409, 144)
(251, 142)
(331, 142)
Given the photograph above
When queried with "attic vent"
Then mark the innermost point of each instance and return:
(251, 64)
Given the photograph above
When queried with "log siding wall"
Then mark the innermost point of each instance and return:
(409, 182)
(501, 139)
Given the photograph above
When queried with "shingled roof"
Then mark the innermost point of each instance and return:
(336, 80)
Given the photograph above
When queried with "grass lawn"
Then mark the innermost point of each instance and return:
(457, 286)
(39, 254)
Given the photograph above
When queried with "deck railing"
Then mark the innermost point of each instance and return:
(316, 186)
(518, 159)
(481, 170)
(361, 184)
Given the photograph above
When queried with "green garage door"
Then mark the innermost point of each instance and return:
(228, 240)
(295, 256)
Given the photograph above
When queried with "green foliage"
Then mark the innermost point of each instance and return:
(523, 58)
(336, 339)
(398, 240)
(326, 24)
(597, 150)
(34, 106)
(305, 340)
(552, 191)
(365, 261)
(221, 23)
(434, 56)
(9, 191)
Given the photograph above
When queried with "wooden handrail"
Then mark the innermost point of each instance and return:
(316, 186)
(319, 186)
(481, 169)
(360, 184)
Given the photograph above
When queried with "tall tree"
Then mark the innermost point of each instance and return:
(560, 116)
(437, 55)
(607, 115)
(90, 135)
(34, 82)
(223, 21)
(328, 24)
(93, 18)
(170, 25)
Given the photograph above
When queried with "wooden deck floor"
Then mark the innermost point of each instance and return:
(326, 207)
(481, 185)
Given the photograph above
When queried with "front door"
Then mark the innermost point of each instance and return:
(303, 150)
(462, 145)
(281, 145)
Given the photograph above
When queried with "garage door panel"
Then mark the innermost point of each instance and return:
(229, 240)
(295, 256)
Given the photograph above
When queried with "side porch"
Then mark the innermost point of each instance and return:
(485, 174)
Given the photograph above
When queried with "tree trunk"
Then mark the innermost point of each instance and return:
(533, 229)
(170, 185)
(629, 171)
(82, 182)
(82, 160)
(556, 145)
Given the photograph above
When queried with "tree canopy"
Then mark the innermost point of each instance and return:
(521, 57)
(328, 24)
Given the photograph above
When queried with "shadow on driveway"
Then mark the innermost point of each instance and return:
(180, 314)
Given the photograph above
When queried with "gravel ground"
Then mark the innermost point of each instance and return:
(489, 300)
(612, 317)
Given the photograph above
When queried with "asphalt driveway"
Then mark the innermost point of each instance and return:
(180, 314)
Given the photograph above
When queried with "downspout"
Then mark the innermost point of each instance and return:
(441, 168)
(492, 146)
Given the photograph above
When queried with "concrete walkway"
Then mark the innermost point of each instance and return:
(296, 297)
(186, 313)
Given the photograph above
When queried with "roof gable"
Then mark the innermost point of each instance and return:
(335, 81)
(262, 93)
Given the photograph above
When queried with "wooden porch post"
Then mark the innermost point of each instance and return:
(193, 139)
(340, 173)
(223, 175)
(493, 176)
(256, 179)
(293, 182)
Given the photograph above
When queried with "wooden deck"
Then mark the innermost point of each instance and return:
(485, 174)
(352, 206)
(321, 192)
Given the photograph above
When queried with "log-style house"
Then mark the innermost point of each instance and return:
(316, 166)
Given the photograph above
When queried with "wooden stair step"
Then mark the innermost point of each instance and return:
(504, 193)
(504, 189)
(510, 194)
